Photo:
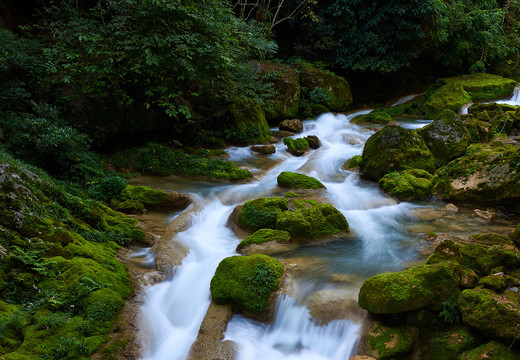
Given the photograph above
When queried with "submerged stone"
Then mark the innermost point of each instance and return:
(377, 116)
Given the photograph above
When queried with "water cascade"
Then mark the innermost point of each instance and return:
(385, 236)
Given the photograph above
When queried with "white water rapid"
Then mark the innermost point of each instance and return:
(385, 237)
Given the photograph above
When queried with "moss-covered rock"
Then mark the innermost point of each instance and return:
(298, 181)
(501, 118)
(414, 184)
(246, 282)
(484, 258)
(247, 125)
(156, 199)
(313, 222)
(488, 174)
(426, 286)
(353, 163)
(479, 131)
(338, 89)
(447, 137)
(454, 92)
(493, 350)
(394, 148)
(261, 213)
(447, 344)
(296, 147)
(446, 251)
(292, 125)
(265, 235)
(493, 314)
(129, 206)
(286, 85)
(390, 342)
(378, 116)
(515, 236)
(264, 149)
(314, 141)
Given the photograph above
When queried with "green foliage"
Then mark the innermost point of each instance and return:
(107, 188)
(319, 95)
(450, 312)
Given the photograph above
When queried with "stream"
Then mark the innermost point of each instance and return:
(386, 235)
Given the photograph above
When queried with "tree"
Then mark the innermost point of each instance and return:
(273, 12)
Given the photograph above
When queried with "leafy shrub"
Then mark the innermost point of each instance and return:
(107, 188)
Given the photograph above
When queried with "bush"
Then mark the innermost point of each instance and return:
(107, 189)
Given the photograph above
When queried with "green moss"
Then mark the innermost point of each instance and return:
(447, 251)
(296, 147)
(290, 194)
(262, 213)
(426, 286)
(313, 222)
(247, 124)
(414, 184)
(495, 282)
(143, 194)
(355, 162)
(129, 206)
(265, 235)
(393, 149)
(452, 93)
(246, 282)
(392, 342)
(491, 239)
(492, 350)
(286, 84)
(515, 235)
(492, 314)
(302, 203)
(378, 116)
(100, 307)
(447, 344)
(298, 181)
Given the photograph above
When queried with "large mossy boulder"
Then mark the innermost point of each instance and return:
(391, 342)
(454, 92)
(425, 286)
(502, 118)
(247, 282)
(292, 180)
(286, 85)
(493, 350)
(247, 124)
(493, 314)
(338, 89)
(488, 174)
(414, 184)
(447, 137)
(261, 213)
(313, 222)
(378, 116)
(394, 148)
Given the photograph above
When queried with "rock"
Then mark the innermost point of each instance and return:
(451, 208)
(484, 258)
(338, 89)
(447, 137)
(493, 350)
(361, 357)
(487, 174)
(264, 149)
(209, 343)
(446, 251)
(447, 344)
(496, 282)
(156, 199)
(261, 213)
(393, 149)
(414, 184)
(515, 236)
(292, 125)
(353, 164)
(267, 242)
(286, 85)
(454, 92)
(329, 305)
(299, 266)
(389, 342)
(296, 147)
(378, 116)
(426, 286)
(314, 141)
(129, 206)
(312, 223)
(247, 283)
(485, 215)
(468, 278)
(247, 125)
(493, 314)
(292, 180)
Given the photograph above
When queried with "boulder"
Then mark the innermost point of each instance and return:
(333, 304)
(454, 92)
(292, 125)
(393, 149)
(447, 344)
(153, 199)
(414, 184)
(493, 350)
(296, 147)
(353, 164)
(286, 85)
(267, 242)
(248, 283)
(247, 124)
(292, 180)
(314, 141)
(425, 286)
(261, 213)
(264, 149)
(378, 116)
(488, 174)
(483, 258)
(447, 137)
(338, 89)
(389, 342)
(313, 222)
(493, 314)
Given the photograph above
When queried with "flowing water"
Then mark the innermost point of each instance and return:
(385, 236)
